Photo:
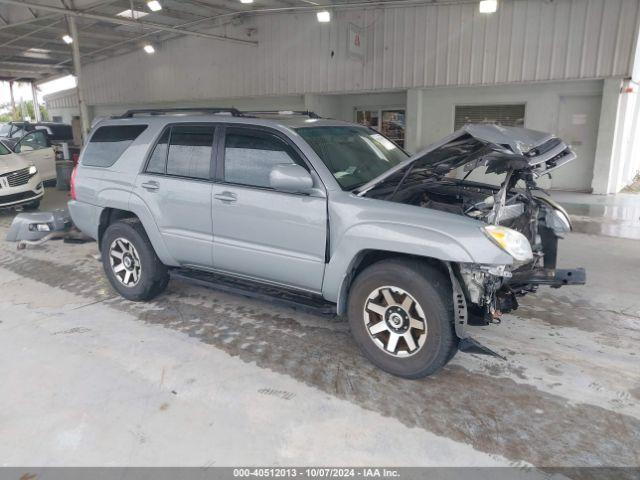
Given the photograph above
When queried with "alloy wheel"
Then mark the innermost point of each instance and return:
(395, 321)
(125, 262)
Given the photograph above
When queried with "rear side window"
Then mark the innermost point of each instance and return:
(158, 159)
(108, 143)
(190, 148)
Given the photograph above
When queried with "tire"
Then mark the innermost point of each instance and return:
(427, 293)
(32, 206)
(145, 276)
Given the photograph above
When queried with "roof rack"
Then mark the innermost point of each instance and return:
(163, 111)
(306, 113)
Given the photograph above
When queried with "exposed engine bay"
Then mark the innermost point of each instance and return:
(519, 156)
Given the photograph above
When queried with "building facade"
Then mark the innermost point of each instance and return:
(417, 72)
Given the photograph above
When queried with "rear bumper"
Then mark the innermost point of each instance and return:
(86, 217)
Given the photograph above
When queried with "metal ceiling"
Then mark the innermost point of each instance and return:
(32, 49)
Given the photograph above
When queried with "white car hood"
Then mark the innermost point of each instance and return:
(12, 162)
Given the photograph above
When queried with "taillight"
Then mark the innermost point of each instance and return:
(72, 184)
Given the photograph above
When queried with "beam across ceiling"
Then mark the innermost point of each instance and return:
(123, 21)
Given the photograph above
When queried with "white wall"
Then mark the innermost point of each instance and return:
(432, 111)
(405, 47)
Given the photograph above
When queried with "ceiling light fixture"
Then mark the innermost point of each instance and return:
(68, 39)
(154, 5)
(246, 1)
(149, 48)
(488, 6)
(324, 16)
(133, 14)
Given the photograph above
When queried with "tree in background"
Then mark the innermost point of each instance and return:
(22, 111)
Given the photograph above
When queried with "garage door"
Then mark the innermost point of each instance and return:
(578, 120)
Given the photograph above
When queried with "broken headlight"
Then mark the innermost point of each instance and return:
(512, 242)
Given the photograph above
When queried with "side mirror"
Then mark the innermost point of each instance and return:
(290, 178)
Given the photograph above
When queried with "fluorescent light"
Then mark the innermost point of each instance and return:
(154, 5)
(67, 39)
(246, 1)
(488, 6)
(133, 14)
(149, 49)
(324, 16)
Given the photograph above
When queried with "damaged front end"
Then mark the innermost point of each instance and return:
(520, 218)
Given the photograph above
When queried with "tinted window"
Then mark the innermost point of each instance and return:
(107, 144)
(250, 155)
(158, 158)
(190, 151)
(4, 150)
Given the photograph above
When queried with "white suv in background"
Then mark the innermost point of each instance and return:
(20, 182)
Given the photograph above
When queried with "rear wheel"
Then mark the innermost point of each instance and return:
(130, 263)
(401, 317)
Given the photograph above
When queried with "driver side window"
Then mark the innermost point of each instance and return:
(35, 141)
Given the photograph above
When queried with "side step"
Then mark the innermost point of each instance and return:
(296, 300)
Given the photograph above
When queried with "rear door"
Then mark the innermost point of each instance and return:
(176, 186)
(35, 148)
(259, 232)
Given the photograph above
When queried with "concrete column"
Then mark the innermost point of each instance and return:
(84, 113)
(605, 157)
(413, 116)
(36, 106)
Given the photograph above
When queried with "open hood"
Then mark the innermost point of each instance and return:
(498, 148)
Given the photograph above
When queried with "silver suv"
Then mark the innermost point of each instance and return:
(406, 246)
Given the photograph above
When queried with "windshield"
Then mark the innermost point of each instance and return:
(354, 155)
(5, 129)
(4, 150)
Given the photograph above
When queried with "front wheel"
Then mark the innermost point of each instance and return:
(130, 263)
(401, 316)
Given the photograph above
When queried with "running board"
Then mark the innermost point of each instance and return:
(469, 345)
(296, 300)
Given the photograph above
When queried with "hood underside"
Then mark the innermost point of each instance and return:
(498, 148)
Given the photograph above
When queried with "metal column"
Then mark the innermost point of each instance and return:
(84, 113)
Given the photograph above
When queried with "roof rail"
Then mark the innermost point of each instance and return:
(163, 111)
(306, 113)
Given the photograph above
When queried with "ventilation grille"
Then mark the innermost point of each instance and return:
(506, 115)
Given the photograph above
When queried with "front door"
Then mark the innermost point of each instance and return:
(176, 187)
(35, 149)
(260, 232)
(578, 126)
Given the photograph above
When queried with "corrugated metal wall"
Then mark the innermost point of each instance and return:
(423, 46)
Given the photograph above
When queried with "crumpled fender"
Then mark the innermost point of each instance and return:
(404, 239)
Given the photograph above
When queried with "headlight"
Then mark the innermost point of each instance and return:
(512, 242)
(33, 170)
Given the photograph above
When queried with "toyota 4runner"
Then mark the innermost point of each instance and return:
(406, 246)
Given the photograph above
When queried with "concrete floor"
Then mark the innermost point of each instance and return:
(202, 378)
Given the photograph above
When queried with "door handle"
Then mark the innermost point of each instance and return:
(150, 185)
(227, 197)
